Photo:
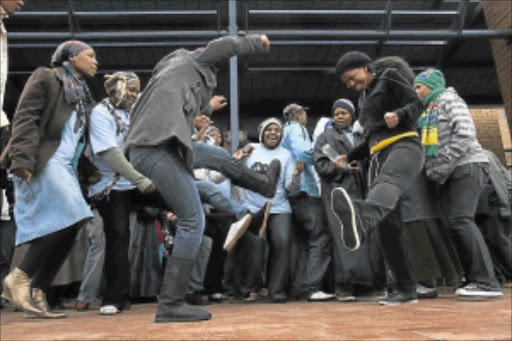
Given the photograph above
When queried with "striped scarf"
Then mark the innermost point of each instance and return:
(427, 123)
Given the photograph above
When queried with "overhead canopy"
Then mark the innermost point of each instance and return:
(307, 38)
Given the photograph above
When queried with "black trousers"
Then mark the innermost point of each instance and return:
(115, 212)
(459, 198)
(46, 255)
(311, 222)
(392, 171)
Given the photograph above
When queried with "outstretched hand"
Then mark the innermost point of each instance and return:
(266, 43)
(218, 102)
(22, 173)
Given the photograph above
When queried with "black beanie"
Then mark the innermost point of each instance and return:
(351, 60)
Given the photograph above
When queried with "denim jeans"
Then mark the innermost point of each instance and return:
(211, 194)
(459, 197)
(216, 158)
(93, 267)
(167, 170)
(196, 282)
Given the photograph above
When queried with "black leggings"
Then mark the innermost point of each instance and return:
(46, 255)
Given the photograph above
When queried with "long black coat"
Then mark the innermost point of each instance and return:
(364, 266)
(181, 87)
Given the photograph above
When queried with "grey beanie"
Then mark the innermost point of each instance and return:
(351, 60)
(345, 104)
(264, 125)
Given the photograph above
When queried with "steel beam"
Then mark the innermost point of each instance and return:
(114, 35)
(233, 80)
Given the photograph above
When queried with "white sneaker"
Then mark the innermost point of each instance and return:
(320, 296)
(109, 310)
(236, 231)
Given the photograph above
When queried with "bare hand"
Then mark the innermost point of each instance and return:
(299, 167)
(218, 102)
(391, 119)
(244, 152)
(172, 217)
(150, 189)
(22, 173)
(353, 167)
(341, 162)
(202, 121)
(201, 134)
(266, 43)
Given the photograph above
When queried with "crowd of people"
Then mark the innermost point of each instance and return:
(390, 198)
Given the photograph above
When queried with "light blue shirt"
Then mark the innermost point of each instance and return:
(66, 153)
(260, 160)
(103, 135)
(296, 139)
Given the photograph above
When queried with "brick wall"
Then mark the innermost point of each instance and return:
(498, 15)
(492, 131)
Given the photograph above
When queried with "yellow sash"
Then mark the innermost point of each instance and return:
(390, 140)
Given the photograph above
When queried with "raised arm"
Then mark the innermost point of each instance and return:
(221, 49)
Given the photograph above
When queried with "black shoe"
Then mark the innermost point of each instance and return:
(351, 230)
(398, 297)
(425, 292)
(195, 298)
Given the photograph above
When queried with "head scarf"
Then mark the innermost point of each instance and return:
(264, 125)
(75, 89)
(116, 83)
(427, 122)
(67, 50)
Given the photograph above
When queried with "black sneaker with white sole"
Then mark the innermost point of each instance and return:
(397, 298)
(342, 206)
(478, 291)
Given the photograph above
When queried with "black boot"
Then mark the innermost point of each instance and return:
(356, 217)
(171, 301)
(264, 184)
(259, 220)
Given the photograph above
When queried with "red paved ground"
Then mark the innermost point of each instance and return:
(445, 318)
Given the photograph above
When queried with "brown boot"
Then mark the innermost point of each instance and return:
(18, 291)
(39, 298)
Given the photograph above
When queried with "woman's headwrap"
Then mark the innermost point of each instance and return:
(67, 50)
(76, 91)
(264, 125)
(116, 83)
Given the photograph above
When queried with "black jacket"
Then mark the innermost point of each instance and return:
(388, 92)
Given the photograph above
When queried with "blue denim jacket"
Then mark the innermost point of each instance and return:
(296, 139)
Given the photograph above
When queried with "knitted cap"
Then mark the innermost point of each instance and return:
(351, 60)
(344, 104)
(432, 78)
(264, 125)
(291, 109)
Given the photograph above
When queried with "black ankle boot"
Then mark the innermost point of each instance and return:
(171, 301)
(264, 184)
(259, 220)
